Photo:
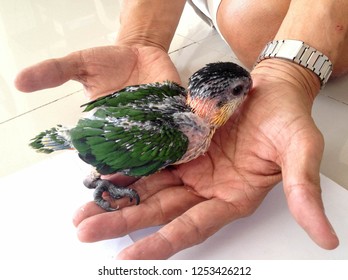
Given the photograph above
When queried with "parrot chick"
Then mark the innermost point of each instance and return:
(144, 128)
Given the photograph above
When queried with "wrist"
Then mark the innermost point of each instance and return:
(282, 72)
(141, 38)
(149, 22)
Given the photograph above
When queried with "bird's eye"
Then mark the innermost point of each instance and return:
(237, 90)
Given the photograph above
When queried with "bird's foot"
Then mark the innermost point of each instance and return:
(115, 192)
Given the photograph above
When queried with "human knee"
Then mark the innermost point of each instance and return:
(247, 26)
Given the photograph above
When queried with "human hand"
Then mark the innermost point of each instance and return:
(273, 137)
(101, 70)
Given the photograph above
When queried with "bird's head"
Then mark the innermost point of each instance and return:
(216, 91)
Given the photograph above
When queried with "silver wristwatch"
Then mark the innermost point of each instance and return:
(300, 53)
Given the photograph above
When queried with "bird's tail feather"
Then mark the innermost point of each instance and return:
(51, 140)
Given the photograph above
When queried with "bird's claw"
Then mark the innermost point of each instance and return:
(115, 192)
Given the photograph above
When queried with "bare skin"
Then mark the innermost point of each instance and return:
(273, 137)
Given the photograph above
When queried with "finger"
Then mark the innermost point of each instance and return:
(302, 189)
(191, 228)
(158, 209)
(47, 74)
(85, 211)
(306, 206)
(146, 186)
(119, 179)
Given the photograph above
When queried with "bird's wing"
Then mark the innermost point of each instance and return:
(133, 133)
(136, 149)
(139, 93)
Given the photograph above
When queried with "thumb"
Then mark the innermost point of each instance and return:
(300, 167)
(47, 74)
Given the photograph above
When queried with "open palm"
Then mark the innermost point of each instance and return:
(101, 70)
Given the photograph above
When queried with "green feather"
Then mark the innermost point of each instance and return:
(138, 93)
(133, 131)
(51, 140)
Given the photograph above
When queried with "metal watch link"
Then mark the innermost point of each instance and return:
(300, 53)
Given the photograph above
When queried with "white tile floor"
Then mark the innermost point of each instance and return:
(31, 31)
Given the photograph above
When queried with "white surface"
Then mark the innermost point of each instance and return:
(38, 204)
(37, 209)
(271, 232)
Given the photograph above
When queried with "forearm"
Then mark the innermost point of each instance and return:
(149, 22)
(322, 24)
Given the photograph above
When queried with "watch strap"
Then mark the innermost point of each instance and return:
(300, 53)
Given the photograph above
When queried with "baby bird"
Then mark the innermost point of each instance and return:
(144, 128)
